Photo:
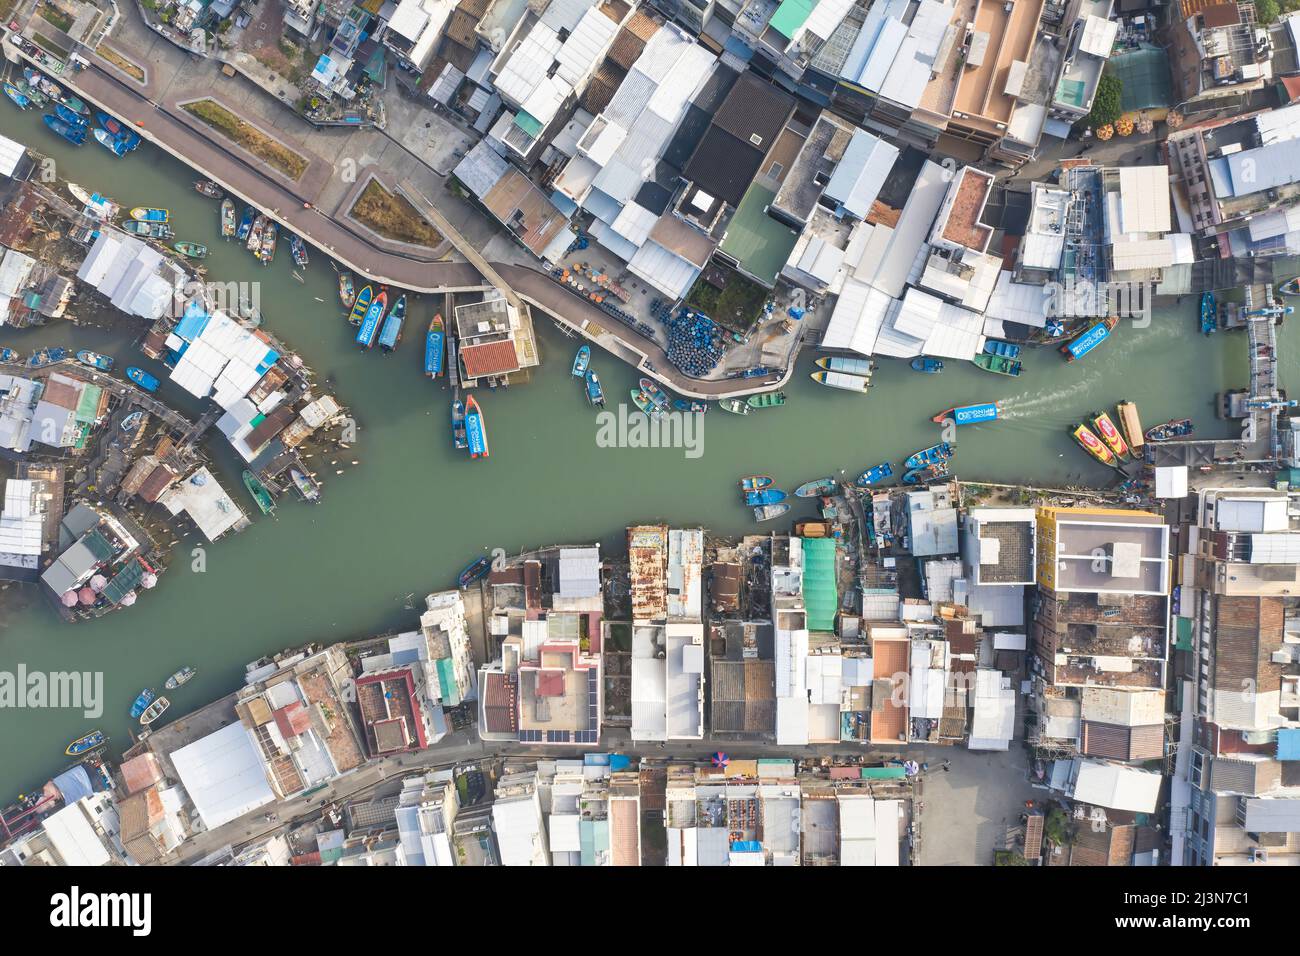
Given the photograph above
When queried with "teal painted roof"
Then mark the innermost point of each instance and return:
(790, 16)
(820, 595)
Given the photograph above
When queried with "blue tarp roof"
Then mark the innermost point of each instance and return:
(74, 784)
(1288, 744)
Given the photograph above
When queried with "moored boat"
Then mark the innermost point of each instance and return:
(191, 250)
(258, 492)
(1174, 428)
(1209, 313)
(361, 305)
(347, 292)
(154, 711)
(458, 436)
(182, 676)
(433, 347)
(254, 243)
(874, 474)
(94, 360)
(997, 364)
(766, 400)
(1131, 424)
(142, 378)
(1106, 430)
(847, 364)
(850, 383)
(151, 230)
(266, 253)
(143, 700)
(768, 512)
(102, 206)
(205, 187)
(246, 224)
(756, 482)
(816, 488)
(68, 116)
(32, 93)
(228, 224)
(370, 323)
(928, 456)
(690, 405)
(1005, 349)
(47, 356)
(17, 96)
(931, 366)
(475, 429)
(87, 743)
(642, 401)
(734, 405)
(150, 214)
(1094, 446)
(76, 135)
(391, 333)
(132, 421)
(298, 250)
(767, 496)
(595, 394)
(968, 414)
(931, 472)
(1089, 340)
(306, 487)
(8, 355)
(476, 570)
(654, 393)
(581, 361)
(1290, 286)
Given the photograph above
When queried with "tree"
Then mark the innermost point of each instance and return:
(1106, 106)
(1266, 11)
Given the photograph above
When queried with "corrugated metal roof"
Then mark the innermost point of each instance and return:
(861, 172)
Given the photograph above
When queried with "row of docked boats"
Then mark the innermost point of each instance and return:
(1112, 444)
(590, 380)
(766, 501)
(655, 402)
(375, 321)
(844, 372)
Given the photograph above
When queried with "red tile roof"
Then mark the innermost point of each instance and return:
(140, 772)
(550, 683)
(491, 358)
(292, 720)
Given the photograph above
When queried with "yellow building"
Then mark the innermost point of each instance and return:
(1099, 550)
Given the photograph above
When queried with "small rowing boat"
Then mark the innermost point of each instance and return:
(191, 250)
(154, 711)
(17, 96)
(734, 405)
(816, 488)
(766, 400)
(298, 249)
(581, 361)
(150, 214)
(143, 700)
(361, 305)
(768, 512)
(654, 393)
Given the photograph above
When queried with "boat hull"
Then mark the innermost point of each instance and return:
(814, 489)
(968, 414)
(1089, 442)
(872, 475)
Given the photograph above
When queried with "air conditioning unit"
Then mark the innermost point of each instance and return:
(1258, 854)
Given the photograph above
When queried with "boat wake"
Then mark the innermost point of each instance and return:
(1030, 404)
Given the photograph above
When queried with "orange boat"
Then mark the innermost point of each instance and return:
(1110, 434)
(1093, 445)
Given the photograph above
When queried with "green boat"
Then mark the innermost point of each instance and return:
(259, 493)
(642, 401)
(192, 250)
(766, 400)
(734, 405)
(997, 364)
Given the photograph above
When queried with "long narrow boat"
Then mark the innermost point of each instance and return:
(1089, 340)
(734, 405)
(767, 496)
(816, 488)
(433, 347)
(143, 700)
(847, 364)
(150, 214)
(654, 393)
(1094, 446)
(691, 406)
(1132, 425)
(458, 437)
(102, 206)
(151, 230)
(96, 738)
(71, 117)
(768, 512)
(17, 96)
(1005, 349)
(756, 482)
(997, 364)
(259, 493)
(391, 333)
(95, 360)
(766, 400)
(1105, 428)
(73, 134)
(581, 361)
(928, 456)
(1174, 428)
(476, 570)
(154, 711)
(298, 249)
(931, 366)
(850, 383)
(475, 429)
(874, 474)
(1209, 313)
(370, 324)
(968, 414)
(595, 394)
(269, 237)
(47, 356)
(361, 305)
(246, 224)
(205, 187)
(228, 224)
(347, 292)
(182, 676)
(191, 250)
(142, 378)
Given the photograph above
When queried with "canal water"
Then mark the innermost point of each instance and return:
(413, 512)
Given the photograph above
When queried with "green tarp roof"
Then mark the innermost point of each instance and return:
(1146, 78)
(529, 123)
(88, 404)
(820, 597)
(883, 773)
(124, 581)
(757, 241)
(790, 16)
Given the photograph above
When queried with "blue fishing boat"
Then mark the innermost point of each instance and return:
(931, 366)
(109, 142)
(142, 702)
(476, 570)
(19, 98)
(968, 414)
(370, 323)
(931, 472)
(95, 360)
(150, 214)
(768, 496)
(96, 738)
(361, 305)
(817, 488)
(114, 126)
(458, 436)
(68, 116)
(298, 249)
(76, 135)
(1005, 349)
(433, 347)
(475, 429)
(874, 474)
(391, 333)
(692, 406)
(929, 456)
(245, 224)
(48, 356)
(8, 355)
(581, 361)
(1209, 313)
(595, 394)
(142, 378)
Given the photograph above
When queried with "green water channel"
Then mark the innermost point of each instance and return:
(414, 511)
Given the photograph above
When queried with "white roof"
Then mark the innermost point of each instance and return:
(565, 833)
(223, 775)
(1171, 481)
(11, 154)
(649, 688)
(663, 269)
(205, 501)
(1119, 788)
(994, 719)
(1144, 199)
(20, 522)
(74, 838)
(888, 255)
(14, 272)
(1019, 302)
(1098, 36)
(861, 172)
(517, 824)
(1251, 514)
(856, 320)
(1142, 254)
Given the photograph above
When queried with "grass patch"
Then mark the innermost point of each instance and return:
(727, 297)
(265, 148)
(121, 62)
(50, 46)
(58, 17)
(393, 217)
